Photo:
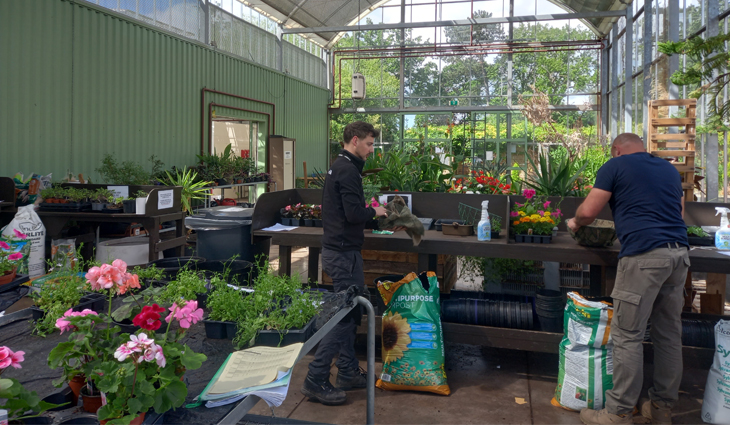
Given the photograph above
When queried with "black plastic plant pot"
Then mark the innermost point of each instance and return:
(79, 420)
(308, 222)
(94, 302)
(533, 238)
(170, 266)
(317, 222)
(216, 330)
(277, 338)
(494, 235)
(64, 397)
(130, 206)
(698, 241)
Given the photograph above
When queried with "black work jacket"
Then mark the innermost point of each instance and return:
(343, 205)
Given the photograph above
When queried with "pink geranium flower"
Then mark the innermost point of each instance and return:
(528, 193)
(188, 315)
(558, 213)
(62, 322)
(9, 358)
(546, 204)
(514, 214)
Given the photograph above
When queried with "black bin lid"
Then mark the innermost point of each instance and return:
(229, 213)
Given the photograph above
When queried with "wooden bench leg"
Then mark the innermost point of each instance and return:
(284, 260)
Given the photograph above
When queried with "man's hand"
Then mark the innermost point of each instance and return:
(380, 212)
(572, 225)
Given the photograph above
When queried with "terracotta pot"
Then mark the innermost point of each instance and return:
(8, 277)
(136, 421)
(76, 384)
(92, 403)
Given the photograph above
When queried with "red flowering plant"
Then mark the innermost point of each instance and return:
(134, 372)
(19, 401)
(479, 183)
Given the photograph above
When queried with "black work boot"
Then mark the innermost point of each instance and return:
(323, 391)
(348, 379)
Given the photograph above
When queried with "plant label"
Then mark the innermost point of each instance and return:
(119, 191)
(164, 199)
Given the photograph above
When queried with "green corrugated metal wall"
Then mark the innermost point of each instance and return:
(78, 81)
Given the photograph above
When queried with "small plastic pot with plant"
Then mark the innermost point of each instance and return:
(278, 306)
(226, 304)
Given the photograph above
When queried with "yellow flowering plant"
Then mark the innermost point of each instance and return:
(535, 217)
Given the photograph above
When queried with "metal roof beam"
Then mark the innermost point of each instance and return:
(459, 22)
(429, 109)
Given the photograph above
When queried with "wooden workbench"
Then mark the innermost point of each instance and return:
(602, 261)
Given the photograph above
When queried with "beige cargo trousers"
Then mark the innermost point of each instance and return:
(648, 285)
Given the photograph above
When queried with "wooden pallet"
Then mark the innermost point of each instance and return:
(680, 146)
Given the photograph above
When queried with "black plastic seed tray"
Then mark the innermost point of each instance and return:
(67, 207)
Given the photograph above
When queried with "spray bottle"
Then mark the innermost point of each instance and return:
(484, 228)
(722, 237)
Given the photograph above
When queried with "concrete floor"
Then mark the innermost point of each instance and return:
(488, 386)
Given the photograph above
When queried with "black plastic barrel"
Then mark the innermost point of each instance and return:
(504, 314)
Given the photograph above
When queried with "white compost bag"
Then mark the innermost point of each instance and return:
(716, 404)
(28, 222)
(586, 355)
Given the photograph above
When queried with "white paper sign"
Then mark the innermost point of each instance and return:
(119, 191)
(287, 154)
(490, 155)
(164, 199)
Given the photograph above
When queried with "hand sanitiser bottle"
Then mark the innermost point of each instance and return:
(484, 228)
(722, 237)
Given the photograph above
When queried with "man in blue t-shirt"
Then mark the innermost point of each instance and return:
(646, 199)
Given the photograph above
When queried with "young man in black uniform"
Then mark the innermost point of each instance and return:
(343, 217)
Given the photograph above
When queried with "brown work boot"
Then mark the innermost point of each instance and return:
(657, 412)
(599, 417)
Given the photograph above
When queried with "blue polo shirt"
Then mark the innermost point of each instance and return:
(646, 201)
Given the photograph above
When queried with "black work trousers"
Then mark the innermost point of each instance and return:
(345, 269)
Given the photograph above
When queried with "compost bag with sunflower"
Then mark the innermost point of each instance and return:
(413, 343)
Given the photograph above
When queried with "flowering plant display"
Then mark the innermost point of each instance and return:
(535, 217)
(10, 254)
(479, 183)
(135, 372)
(20, 401)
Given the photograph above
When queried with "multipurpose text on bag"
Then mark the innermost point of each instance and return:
(586, 355)
(27, 221)
(413, 345)
(716, 403)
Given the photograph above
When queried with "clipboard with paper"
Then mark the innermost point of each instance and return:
(252, 369)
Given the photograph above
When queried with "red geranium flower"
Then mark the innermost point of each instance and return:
(149, 318)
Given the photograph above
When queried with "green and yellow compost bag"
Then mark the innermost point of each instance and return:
(413, 343)
(586, 355)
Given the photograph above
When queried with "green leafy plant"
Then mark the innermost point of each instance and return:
(552, 177)
(226, 303)
(124, 173)
(186, 286)
(697, 231)
(707, 70)
(59, 292)
(140, 194)
(264, 309)
(192, 188)
(149, 273)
